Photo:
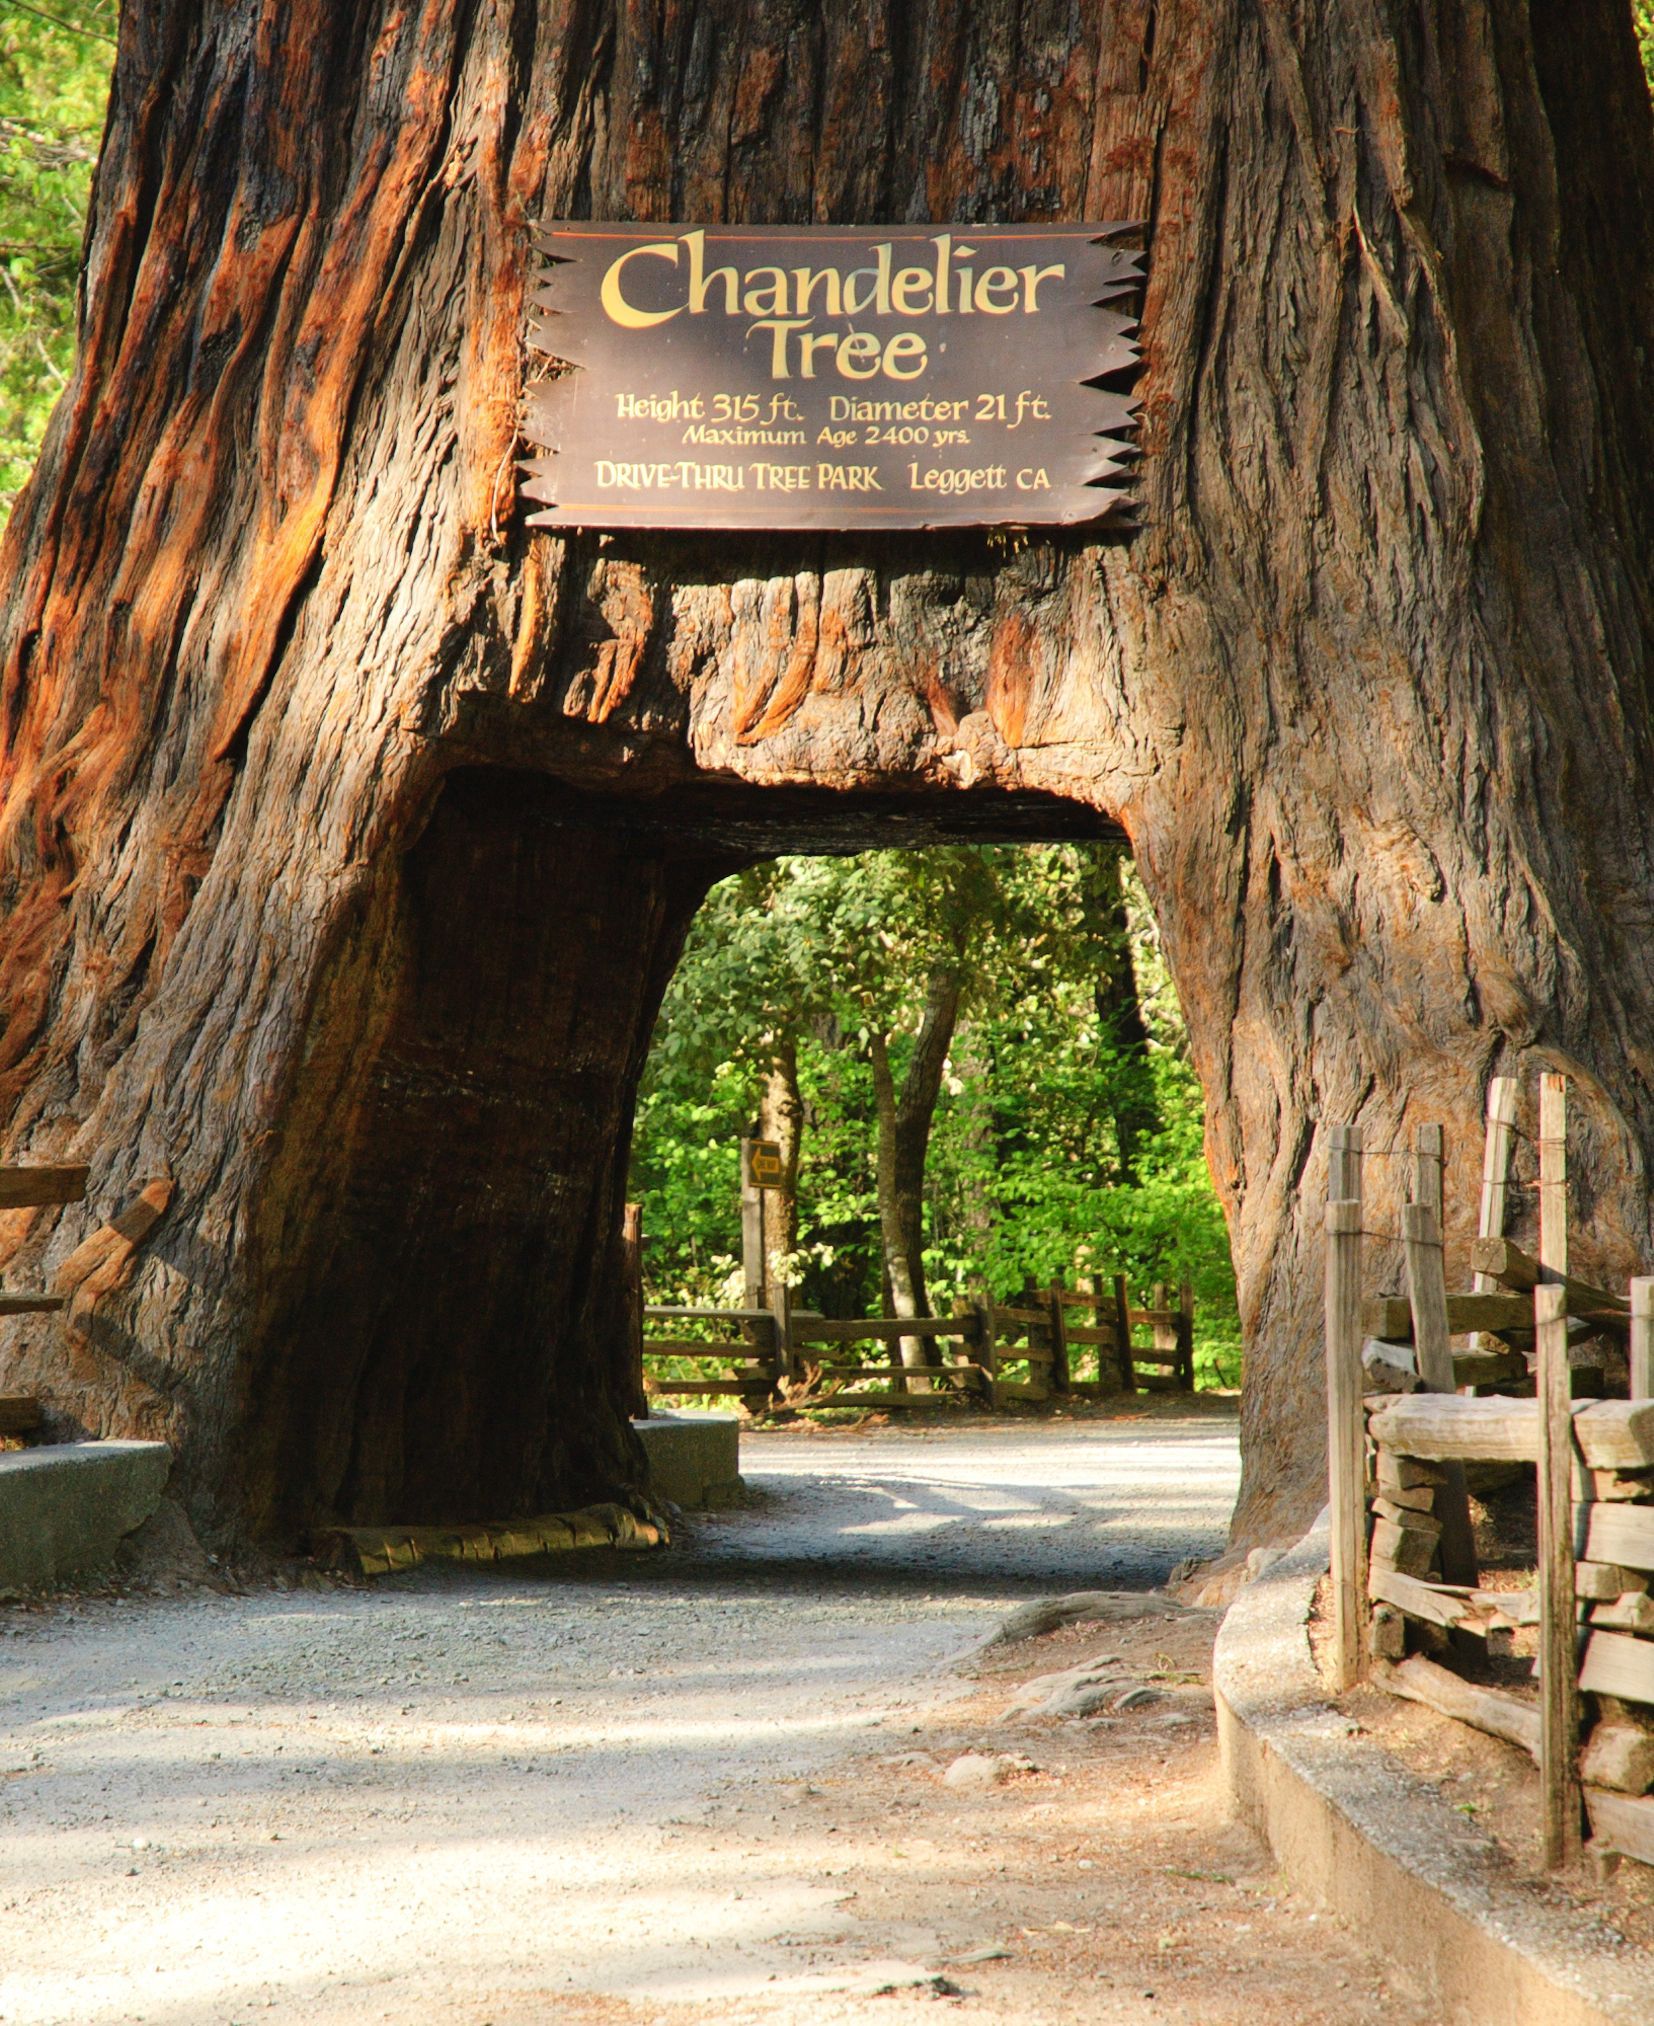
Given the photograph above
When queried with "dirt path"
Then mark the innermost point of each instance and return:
(697, 1788)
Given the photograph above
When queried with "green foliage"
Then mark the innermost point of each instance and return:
(1026, 1177)
(54, 79)
(1642, 17)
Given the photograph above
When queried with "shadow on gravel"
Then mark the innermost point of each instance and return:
(989, 1514)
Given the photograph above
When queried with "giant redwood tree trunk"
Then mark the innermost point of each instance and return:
(348, 829)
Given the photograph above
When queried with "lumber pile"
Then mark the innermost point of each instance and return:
(1613, 1570)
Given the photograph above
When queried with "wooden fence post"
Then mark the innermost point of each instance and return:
(1642, 1339)
(1553, 1176)
(754, 1267)
(1346, 1443)
(1558, 1646)
(1344, 1164)
(1186, 1333)
(1427, 1295)
(1164, 1329)
(631, 1256)
(781, 1308)
(1496, 1152)
(965, 1355)
(1060, 1377)
(1429, 1157)
(1122, 1322)
(1346, 1424)
(988, 1347)
(1093, 1285)
(1558, 1615)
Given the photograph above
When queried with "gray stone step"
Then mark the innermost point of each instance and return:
(64, 1508)
(694, 1459)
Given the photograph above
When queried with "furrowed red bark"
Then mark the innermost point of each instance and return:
(347, 831)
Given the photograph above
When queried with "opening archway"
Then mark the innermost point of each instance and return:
(968, 1074)
(449, 1334)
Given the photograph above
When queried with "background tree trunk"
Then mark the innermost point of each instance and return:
(781, 1118)
(1121, 1023)
(905, 1113)
(1369, 691)
(974, 1055)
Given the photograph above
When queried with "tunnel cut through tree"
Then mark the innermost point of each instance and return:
(348, 829)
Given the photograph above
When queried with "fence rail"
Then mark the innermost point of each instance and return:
(36, 1188)
(1026, 1349)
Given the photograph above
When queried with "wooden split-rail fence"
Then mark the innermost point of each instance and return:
(1408, 1597)
(33, 1189)
(1050, 1344)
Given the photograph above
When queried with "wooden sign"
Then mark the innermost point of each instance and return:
(763, 1169)
(832, 377)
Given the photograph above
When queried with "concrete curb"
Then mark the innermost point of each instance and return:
(1355, 1830)
(65, 1508)
(694, 1459)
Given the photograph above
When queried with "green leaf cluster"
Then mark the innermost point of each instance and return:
(1029, 1173)
(55, 60)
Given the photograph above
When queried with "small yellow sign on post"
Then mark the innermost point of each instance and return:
(762, 1164)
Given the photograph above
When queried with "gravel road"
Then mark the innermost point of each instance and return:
(432, 1799)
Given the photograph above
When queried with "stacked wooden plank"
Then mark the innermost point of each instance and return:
(1404, 1568)
(41, 1188)
(380, 1551)
(1614, 1548)
(37, 1189)
(1499, 1316)
(20, 1414)
(1413, 1439)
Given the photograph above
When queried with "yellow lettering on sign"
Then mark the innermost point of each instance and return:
(878, 298)
(859, 347)
(904, 346)
(700, 282)
(615, 305)
(766, 292)
(910, 291)
(806, 280)
(991, 285)
(1031, 279)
